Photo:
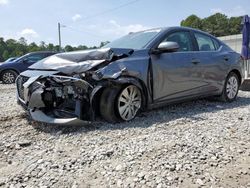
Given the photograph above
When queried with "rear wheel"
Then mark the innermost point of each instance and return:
(9, 77)
(120, 104)
(231, 88)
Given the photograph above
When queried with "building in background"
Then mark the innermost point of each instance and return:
(234, 41)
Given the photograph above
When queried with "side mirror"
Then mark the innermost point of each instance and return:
(166, 47)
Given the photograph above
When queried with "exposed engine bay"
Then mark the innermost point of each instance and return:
(61, 97)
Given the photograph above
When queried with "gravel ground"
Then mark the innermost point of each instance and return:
(194, 144)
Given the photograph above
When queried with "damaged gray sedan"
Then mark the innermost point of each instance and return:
(140, 71)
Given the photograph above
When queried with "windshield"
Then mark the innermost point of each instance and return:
(134, 40)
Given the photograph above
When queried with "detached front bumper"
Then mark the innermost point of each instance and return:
(40, 116)
(50, 104)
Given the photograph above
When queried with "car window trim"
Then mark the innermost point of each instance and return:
(219, 45)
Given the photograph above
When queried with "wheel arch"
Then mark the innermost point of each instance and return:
(137, 82)
(238, 73)
(121, 81)
(9, 69)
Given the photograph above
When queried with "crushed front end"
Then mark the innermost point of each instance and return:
(61, 88)
(56, 99)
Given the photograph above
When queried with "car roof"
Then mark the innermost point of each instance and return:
(165, 29)
(43, 52)
(34, 53)
(190, 29)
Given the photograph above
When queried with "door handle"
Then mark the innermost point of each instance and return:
(226, 58)
(195, 61)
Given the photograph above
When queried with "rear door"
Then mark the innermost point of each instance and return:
(175, 75)
(212, 62)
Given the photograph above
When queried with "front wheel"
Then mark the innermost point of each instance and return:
(120, 104)
(231, 88)
(129, 102)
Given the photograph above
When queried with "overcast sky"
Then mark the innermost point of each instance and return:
(90, 22)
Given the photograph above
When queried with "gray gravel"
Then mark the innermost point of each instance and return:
(194, 144)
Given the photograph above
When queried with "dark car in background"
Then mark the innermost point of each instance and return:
(140, 71)
(10, 70)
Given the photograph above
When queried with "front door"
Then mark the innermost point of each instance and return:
(175, 74)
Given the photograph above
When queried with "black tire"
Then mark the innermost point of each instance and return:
(9, 76)
(225, 97)
(108, 105)
(115, 108)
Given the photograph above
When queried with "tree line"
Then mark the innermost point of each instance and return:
(16, 48)
(217, 24)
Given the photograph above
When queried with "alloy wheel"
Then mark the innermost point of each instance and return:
(8, 77)
(129, 102)
(232, 87)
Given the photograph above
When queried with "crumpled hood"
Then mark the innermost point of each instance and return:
(81, 61)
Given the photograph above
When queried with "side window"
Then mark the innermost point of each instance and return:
(35, 58)
(183, 38)
(216, 44)
(205, 43)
